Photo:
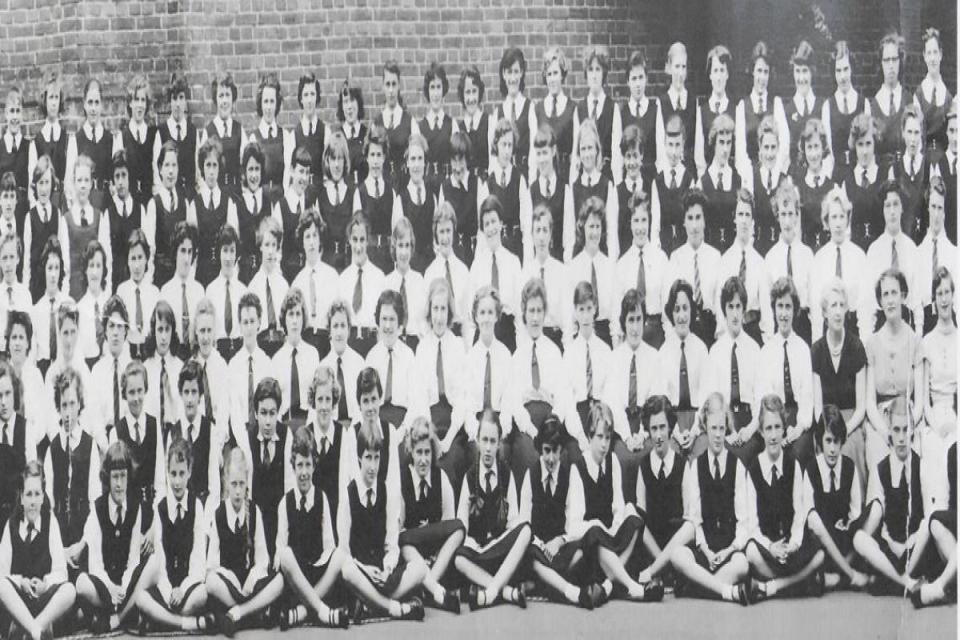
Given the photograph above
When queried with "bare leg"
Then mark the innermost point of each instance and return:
(919, 546)
(613, 566)
(778, 584)
(196, 602)
(758, 563)
(681, 538)
(302, 587)
(61, 602)
(264, 598)
(947, 546)
(869, 549)
(412, 577)
(719, 583)
(556, 581)
(13, 603)
(496, 585)
(816, 526)
(217, 589)
(365, 589)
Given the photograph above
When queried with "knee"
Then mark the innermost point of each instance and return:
(752, 554)
(68, 592)
(525, 534)
(287, 559)
(739, 563)
(680, 554)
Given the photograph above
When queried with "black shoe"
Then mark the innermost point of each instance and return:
(359, 612)
(599, 595)
(228, 626)
(519, 597)
(47, 633)
(585, 599)
(339, 618)
(473, 598)
(285, 618)
(99, 624)
(414, 611)
(653, 591)
(450, 602)
(816, 586)
(743, 593)
(915, 596)
(757, 593)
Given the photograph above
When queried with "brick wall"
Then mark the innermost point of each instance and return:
(112, 39)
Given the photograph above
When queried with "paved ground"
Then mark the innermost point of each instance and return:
(845, 616)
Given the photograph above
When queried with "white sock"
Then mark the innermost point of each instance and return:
(396, 609)
(438, 594)
(571, 593)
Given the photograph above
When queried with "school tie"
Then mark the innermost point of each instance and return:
(179, 512)
(227, 311)
(184, 312)
(303, 502)
(6, 437)
(487, 385)
(641, 282)
(403, 292)
(734, 376)
(535, 367)
(390, 121)
(787, 381)
(190, 435)
(313, 297)
(933, 98)
(716, 467)
(207, 395)
(661, 475)
(271, 312)
(423, 490)
(548, 485)
(441, 386)
(543, 275)
(83, 221)
(388, 395)
(116, 391)
(894, 258)
(342, 403)
(774, 475)
(369, 498)
(910, 172)
(839, 268)
(697, 294)
(503, 179)
(179, 132)
(52, 333)
(833, 480)
(489, 482)
(593, 278)
(419, 196)
(119, 515)
(890, 106)
(684, 376)
(30, 531)
(256, 204)
(265, 457)
(376, 188)
(935, 261)
(516, 111)
(136, 434)
(589, 373)
(632, 388)
(323, 445)
(251, 414)
(494, 272)
(358, 291)
(123, 209)
(294, 382)
(789, 261)
(449, 276)
(236, 525)
(846, 106)
(601, 474)
(673, 179)
(742, 275)
(97, 320)
(164, 389)
(138, 310)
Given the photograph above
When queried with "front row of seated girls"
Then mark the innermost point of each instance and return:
(726, 529)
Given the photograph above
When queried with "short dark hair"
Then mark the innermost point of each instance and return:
(678, 287)
(191, 371)
(368, 381)
(632, 300)
(832, 421)
(732, 287)
(655, 405)
(389, 297)
(474, 74)
(267, 389)
(551, 432)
